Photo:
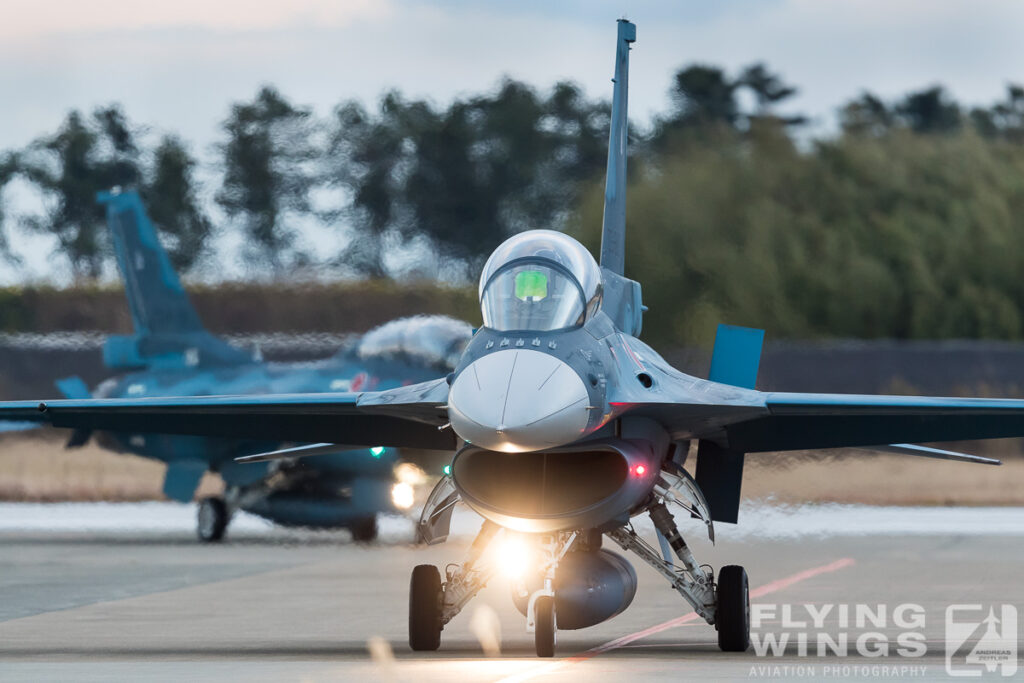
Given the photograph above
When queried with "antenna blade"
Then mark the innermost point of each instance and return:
(613, 228)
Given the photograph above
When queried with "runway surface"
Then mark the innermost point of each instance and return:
(124, 592)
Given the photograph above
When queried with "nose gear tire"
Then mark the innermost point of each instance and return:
(544, 626)
(425, 608)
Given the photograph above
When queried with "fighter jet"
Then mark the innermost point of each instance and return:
(172, 354)
(566, 427)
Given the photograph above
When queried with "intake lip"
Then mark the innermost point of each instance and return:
(574, 487)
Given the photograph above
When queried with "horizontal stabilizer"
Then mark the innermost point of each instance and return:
(73, 387)
(927, 452)
(182, 479)
(297, 452)
(18, 426)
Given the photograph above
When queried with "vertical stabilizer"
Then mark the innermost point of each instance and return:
(613, 228)
(158, 302)
(168, 331)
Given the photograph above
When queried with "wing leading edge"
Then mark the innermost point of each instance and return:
(810, 421)
(407, 417)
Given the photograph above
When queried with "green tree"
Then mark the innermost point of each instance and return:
(769, 91)
(268, 165)
(8, 169)
(866, 115)
(1005, 119)
(170, 197)
(467, 176)
(930, 110)
(70, 167)
(852, 237)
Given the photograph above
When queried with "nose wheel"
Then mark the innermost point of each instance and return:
(732, 616)
(425, 608)
(544, 632)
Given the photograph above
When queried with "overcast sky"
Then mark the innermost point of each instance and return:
(178, 65)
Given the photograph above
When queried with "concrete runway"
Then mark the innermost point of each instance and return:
(278, 606)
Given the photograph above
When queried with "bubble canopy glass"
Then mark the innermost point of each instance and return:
(539, 280)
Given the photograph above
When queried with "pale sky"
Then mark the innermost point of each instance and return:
(177, 66)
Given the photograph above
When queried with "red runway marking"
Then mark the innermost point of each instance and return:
(758, 592)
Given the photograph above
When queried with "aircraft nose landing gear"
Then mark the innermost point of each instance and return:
(544, 627)
(433, 602)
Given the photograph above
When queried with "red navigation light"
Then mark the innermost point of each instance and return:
(639, 470)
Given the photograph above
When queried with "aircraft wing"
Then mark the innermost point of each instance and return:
(411, 416)
(796, 421)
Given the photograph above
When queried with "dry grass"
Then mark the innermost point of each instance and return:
(855, 477)
(35, 466)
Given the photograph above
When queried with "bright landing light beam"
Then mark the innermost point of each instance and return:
(513, 557)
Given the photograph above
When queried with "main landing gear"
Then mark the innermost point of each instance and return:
(435, 599)
(212, 520)
(725, 605)
(364, 530)
(732, 616)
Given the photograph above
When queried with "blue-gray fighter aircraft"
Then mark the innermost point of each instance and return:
(566, 427)
(171, 354)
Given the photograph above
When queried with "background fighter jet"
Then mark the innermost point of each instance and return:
(171, 354)
(567, 426)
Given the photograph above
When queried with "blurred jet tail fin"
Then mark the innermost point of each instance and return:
(167, 328)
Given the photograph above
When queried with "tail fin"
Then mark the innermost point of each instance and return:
(622, 299)
(167, 329)
(734, 360)
(613, 229)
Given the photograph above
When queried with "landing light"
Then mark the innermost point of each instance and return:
(513, 557)
(402, 495)
(410, 474)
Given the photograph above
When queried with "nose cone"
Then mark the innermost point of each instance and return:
(518, 400)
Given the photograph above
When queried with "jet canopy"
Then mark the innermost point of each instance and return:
(539, 280)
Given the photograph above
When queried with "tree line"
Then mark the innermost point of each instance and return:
(904, 222)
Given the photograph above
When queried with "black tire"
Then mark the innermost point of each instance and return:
(544, 626)
(732, 617)
(365, 530)
(212, 519)
(425, 608)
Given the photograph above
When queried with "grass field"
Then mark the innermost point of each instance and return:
(35, 466)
